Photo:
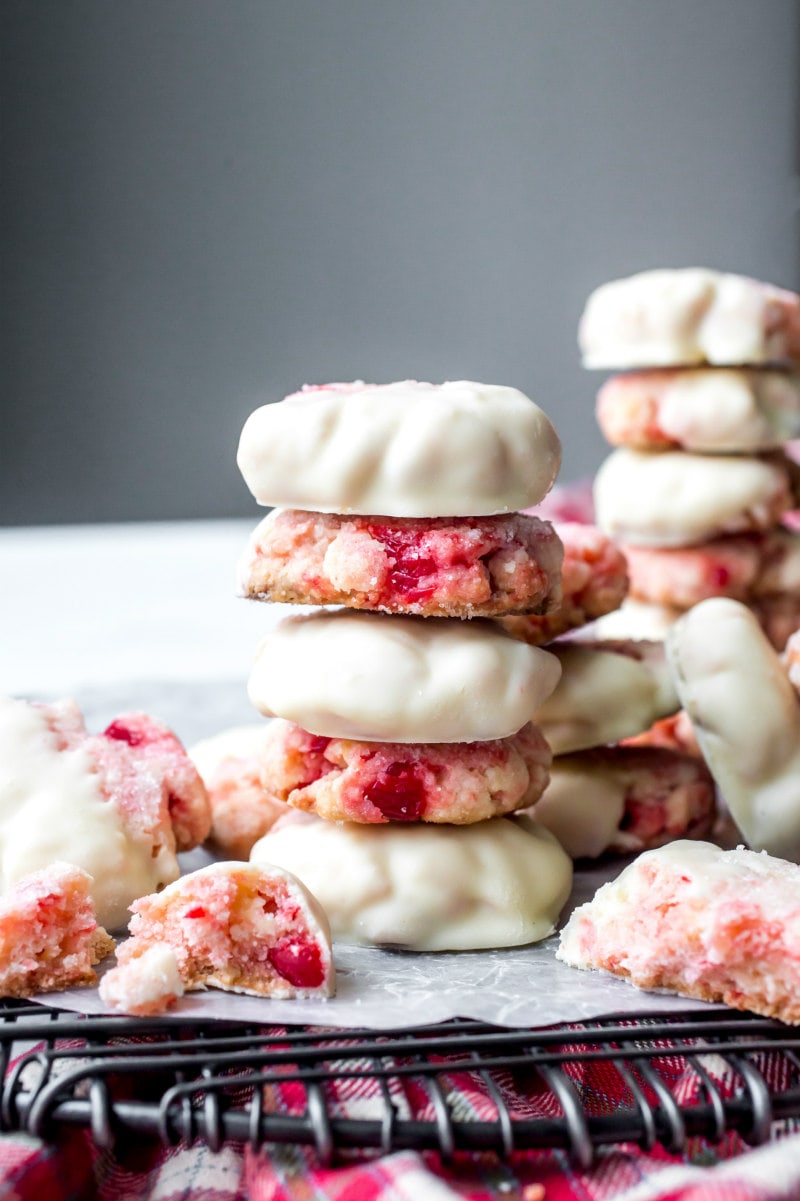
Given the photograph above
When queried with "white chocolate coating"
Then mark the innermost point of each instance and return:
(746, 716)
(676, 499)
(386, 678)
(582, 807)
(406, 449)
(52, 807)
(690, 315)
(634, 620)
(605, 695)
(498, 883)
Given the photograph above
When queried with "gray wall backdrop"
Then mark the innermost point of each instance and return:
(206, 203)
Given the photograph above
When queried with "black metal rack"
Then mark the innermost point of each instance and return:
(663, 1080)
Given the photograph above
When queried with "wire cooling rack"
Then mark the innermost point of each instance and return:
(458, 1086)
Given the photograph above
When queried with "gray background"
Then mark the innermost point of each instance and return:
(207, 203)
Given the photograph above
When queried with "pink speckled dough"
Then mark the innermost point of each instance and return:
(460, 783)
(436, 567)
(49, 935)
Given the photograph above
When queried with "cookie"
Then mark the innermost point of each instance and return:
(746, 717)
(241, 927)
(375, 677)
(608, 691)
(696, 920)
(119, 804)
(49, 935)
(498, 883)
(147, 985)
(375, 782)
(677, 499)
(711, 410)
(406, 449)
(622, 799)
(435, 567)
(686, 316)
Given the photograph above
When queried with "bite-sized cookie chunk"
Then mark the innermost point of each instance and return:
(243, 927)
(689, 917)
(594, 581)
(146, 985)
(746, 717)
(608, 691)
(706, 411)
(741, 566)
(690, 315)
(377, 677)
(499, 883)
(436, 567)
(626, 798)
(117, 804)
(406, 449)
(676, 499)
(49, 936)
(241, 809)
(372, 782)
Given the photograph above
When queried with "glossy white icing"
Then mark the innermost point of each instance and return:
(405, 449)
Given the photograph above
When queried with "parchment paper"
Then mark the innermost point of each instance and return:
(375, 988)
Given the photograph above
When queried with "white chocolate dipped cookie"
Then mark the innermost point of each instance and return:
(626, 798)
(404, 449)
(499, 883)
(368, 676)
(676, 499)
(685, 316)
(706, 410)
(746, 717)
(118, 804)
(608, 691)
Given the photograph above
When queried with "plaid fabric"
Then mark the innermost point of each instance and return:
(73, 1169)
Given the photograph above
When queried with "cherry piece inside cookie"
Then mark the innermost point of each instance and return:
(234, 926)
(435, 567)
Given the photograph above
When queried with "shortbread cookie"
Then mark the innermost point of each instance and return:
(626, 798)
(706, 923)
(406, 449)
(594, 581)
(242, 927)
(241, 809)
(746, 717)
(147, 985)
(608, 691)
(741, 566)
(676, 318)
(378, 677)
(498, 883)
(677, 499)
(118, 804)
(373, 782)
(49, 936)
(707, 411)
(469, 567)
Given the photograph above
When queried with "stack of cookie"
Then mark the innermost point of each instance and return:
(403, 719)
(707, 395)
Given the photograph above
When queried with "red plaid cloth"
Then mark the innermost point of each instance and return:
(72, 1169)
